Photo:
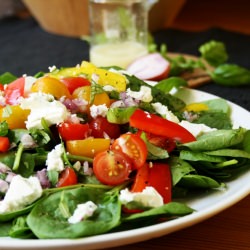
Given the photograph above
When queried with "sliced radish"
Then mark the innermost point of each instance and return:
(150, 67)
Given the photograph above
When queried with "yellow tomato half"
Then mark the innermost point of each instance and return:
(15, 116)
(85, 92)
(50, 85)
(88, 147)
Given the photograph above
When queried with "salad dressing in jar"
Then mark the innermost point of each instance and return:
(118, 30)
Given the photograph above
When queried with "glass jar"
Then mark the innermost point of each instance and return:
(118, 31)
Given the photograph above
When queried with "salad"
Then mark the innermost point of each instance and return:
(87, 150)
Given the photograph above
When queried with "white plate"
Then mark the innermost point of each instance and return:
(206, 206)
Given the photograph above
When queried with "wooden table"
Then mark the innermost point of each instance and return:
(229, 230)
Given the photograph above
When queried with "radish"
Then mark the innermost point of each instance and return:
(150, 67)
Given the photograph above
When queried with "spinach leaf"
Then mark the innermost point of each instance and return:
(214, 119)
(7, 78)
(172, 102)
(234, 153)
(217, 140)
(231, 75)
(214, 52)
(246, 142)
(171, 209)
(218, 104)
(168, 84)
(198, 181)
(5, 228)
(47, 221)
(199, 156)
(4, 128)
(179, 168)
(20, 229)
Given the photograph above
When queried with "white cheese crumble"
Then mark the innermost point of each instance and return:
(196, 129)
(52, 68)
(82, 212)
(54, 159)
(149, 197)
(22, 192)
(28, 82)
(43, 106)
(165, 112)
(144, 94)
(98, 110)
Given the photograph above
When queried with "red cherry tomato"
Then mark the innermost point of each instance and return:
(67, 177)
(156, 175)
(73, 131)
(1, 87)
(100, 126)
(166, 143)
(112, 167)
(157, 125)
(4, 144)
(73, 83)
(14, 90)
(133, 146)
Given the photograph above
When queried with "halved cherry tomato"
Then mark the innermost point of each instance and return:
(85, 94)
(100, 127)
(133, 146)
(1, 87)
(73, 131)
(15, 117)
(111, 167)
(88, 147)
(67, 177)
(156, 175)
(4, 144)
(73, 83)
(50, 85)
(14, 91)
(157, 125)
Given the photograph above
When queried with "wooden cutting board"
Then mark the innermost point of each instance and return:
(198, 76)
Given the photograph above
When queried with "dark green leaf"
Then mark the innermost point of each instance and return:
(168, 210)
(4, 128)
(231, 75)
(214, 52)
(46, 220)
(7, 78)
(168, 84)
(217, 140)
(198, 181)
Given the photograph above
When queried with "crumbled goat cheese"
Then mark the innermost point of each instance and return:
(52, 68)
(196, 129)
(22, 192)
(149, 197)
(28, 82)
(82, 212)
(164, 112)
(43, 106)
(98, 110)
(54, 159)
(143, 95)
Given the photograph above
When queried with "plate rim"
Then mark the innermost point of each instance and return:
(140, 234)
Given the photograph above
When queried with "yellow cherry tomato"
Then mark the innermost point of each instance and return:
(105, 77)
(85, 94)
(50, 85)
(15, 116)
(196, 107)
(88, 147)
